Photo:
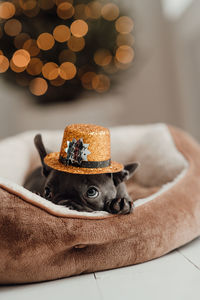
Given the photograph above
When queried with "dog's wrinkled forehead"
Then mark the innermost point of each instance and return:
(67, 180)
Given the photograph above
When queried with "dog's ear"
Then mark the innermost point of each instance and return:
(42, 152)
(125, 174)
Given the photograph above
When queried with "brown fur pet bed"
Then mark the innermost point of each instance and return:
(42, 241)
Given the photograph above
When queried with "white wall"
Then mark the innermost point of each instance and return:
(185, 36)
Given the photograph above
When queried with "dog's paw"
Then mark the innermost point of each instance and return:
(120, 206)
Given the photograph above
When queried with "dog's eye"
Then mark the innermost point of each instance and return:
(92, 192)
(47, 193)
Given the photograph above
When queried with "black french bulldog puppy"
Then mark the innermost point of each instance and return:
(81, 192)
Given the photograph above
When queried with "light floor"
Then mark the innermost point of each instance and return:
(175, 276)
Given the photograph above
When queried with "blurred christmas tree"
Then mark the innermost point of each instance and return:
(58, 48)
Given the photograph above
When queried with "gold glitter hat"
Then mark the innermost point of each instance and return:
(85, 149)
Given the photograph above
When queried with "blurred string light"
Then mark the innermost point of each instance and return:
(54, 57)
(61, 33)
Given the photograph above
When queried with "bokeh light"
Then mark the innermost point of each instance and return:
(124, 54)
(27, 4)
(33, 12)
(101, 83)
(34, 67)
(7, 10)
(4, 64)
(31, 46)
(86, 80)
(93, 10)
(65, 10)
(124, 24)
(51, 50)
(46, 4)
(57, 2)
(125, 39)
(79, 28)
(50, 70)
(67, 70)
(13, 27)
(38, 86)
(67, 55)
(15, 68)
(18, 9)
(61, 33)
(112, 68)
(21, 58)
(102, 57)
(45, 41)
(57, 82)
(110, 11)
(121, 66)
(76, 44)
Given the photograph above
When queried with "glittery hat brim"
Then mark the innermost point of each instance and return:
(52, 161)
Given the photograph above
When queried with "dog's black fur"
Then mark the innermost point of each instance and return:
(81, 192)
